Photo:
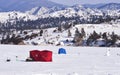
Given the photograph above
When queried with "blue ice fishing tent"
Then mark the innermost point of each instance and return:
(62, 51)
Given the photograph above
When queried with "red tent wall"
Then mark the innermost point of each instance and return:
(44, 55)
(34, 55)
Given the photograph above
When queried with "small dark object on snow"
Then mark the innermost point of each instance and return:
(8, 60)
(16, 56)
(29, 59)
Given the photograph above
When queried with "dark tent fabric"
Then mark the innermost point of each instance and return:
(45, 55)
(62, 51)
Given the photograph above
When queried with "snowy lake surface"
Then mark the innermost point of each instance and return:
(77, 61)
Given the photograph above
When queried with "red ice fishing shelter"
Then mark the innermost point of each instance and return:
(44, 55)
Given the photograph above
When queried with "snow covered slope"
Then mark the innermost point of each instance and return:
(76, 10)
(55, 38)
(11, 16)
(43, 10)
(77, 61)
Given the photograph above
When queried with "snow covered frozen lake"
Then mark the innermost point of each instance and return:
(77, 61)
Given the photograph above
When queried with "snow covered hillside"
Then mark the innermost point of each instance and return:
(110, 9)
(62, 38)
(77, 61)
(76, 10)
(39, 11)
(12, 16)
(105, 35)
